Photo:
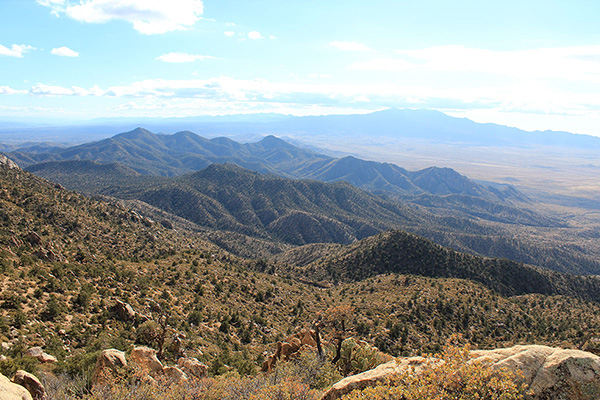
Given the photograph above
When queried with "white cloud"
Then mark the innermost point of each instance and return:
(9, 90)
(52, 91)
(182, 57)
(146, 16)
(64, 52)
(15, 50)
(229, 33)
(254, 35)
(535, 98)
(349, 46)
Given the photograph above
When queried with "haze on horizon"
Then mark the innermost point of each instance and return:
(533, 65)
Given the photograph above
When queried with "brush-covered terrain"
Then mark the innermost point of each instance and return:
(296, 212)
(67, 259)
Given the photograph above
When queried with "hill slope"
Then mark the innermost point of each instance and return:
(86, 254)
(403, 253)
(299, 212)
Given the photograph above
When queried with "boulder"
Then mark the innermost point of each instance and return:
(549, 373)
(12, 391)
(193, 367)
(146, 359)
(123, 311)
(109, 362)
(37, 352)
(31, 383)
(378, 374)
(174, 374)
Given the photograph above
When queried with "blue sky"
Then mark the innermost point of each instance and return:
(533, 64)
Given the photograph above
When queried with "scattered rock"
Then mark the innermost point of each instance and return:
(378, 374)
(109, 362)
(145, 358)
(550, 373)
(31, 383)
(37, 352)
(3, 357)
(12, 391)
(193, 367)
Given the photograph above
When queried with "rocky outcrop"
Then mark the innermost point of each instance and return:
(109, 362)
(146, 359)
(550, 373)
(378, 374)
(12, 391)
(31, 383)
(290, 348)
(40, 355)
(6, 162)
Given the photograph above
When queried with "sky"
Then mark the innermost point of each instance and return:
(533, 64)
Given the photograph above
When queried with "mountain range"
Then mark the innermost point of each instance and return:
(69, 261)
(169, 155)
(227, 198)
(398, 123)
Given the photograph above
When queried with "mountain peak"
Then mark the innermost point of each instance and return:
(135, 134)
(271, 141)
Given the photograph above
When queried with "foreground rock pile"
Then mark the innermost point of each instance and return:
(150, 368)
(549, 373)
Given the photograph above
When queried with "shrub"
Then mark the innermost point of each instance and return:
(456, 379)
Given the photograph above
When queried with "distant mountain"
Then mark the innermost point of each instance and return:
(170, 155)
(427, 125)
(271, 208)
(402, 253)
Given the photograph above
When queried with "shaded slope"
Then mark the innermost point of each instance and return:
(404, 253)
